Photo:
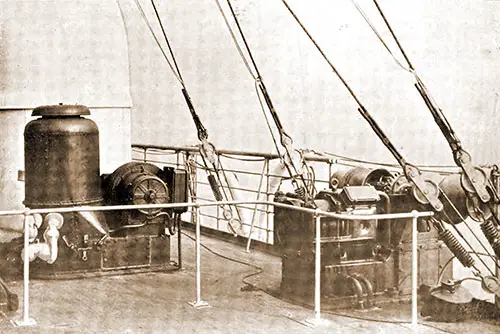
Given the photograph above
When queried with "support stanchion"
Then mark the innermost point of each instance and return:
(249, 241)
(317, 321)
(414, 273)
(198, 303)
(26, 320)
(179, 242)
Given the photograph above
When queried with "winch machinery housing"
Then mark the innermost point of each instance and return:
(62, 170)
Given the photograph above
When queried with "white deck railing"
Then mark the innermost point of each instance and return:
(195, 208)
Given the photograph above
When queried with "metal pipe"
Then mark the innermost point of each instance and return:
(198, 256)
(345, 161)
(368, 288)
(26, 320)
(249, 241)
(386, 228)
(387, 201)
(317, 270)
(268, 179)
(179, 249)
(358, 290)
(26, 273)
(414, 272)
(179, 205)
(228, 152)
(48, 250)
(198, 303)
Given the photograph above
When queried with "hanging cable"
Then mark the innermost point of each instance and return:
(421, 86)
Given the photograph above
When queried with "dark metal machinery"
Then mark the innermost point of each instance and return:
(8, 300)
(62, 170)
(362, 262)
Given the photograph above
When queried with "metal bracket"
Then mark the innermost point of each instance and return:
(475, 180)
(423, 188)
(30, 322)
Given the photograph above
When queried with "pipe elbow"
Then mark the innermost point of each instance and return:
(51, 235)
(35, 222)
(47, 250)
(368, 287)
(358, 289)
(51, 238)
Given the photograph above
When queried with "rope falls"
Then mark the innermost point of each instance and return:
(425, 191)
(301, 175)
(477, 185)
(221, 184)
(482, 195)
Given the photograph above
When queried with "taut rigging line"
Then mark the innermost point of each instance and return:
(294, 168)
(477, 185)
(425, 191)
(479, 188)
(217, 177)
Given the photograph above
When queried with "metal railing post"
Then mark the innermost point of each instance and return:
(267, 199)
(317, 321)
(316, 214)
(26, 320)
(317, 270)
(198, 303)
(414, 272)
(249, 241)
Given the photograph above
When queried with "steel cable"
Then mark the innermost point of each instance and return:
(146, 20)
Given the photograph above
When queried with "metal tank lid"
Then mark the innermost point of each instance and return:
(61, 110)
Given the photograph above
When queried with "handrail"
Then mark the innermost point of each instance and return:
(316, 213)
(319, 212)
(229, 152)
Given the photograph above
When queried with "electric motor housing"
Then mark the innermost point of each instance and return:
(360, 176)
(138, 183)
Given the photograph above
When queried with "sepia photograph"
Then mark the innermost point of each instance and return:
(249, 166)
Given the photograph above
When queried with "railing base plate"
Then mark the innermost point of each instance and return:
(200, 304)
(22, 323)
(313, 322)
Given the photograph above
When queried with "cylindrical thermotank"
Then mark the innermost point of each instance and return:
(61, 152)
(53, 51)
